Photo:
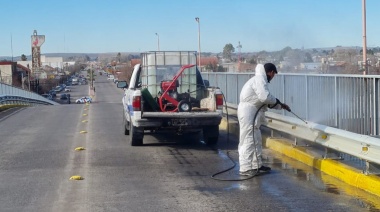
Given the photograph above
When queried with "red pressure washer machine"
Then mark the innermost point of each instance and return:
(170, 100)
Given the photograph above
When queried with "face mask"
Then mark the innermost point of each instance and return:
(269, 78)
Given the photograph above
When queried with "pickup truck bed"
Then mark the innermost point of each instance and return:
(149, 106)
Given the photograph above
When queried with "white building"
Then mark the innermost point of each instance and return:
(54, 62)
(311, 66)
(6, 72)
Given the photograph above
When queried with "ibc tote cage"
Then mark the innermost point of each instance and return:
(160, 66)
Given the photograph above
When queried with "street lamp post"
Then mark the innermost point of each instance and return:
(199, 43)
(158, 41)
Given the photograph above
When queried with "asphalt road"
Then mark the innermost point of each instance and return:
(168, 173)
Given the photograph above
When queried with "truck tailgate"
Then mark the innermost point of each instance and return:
(181, 115)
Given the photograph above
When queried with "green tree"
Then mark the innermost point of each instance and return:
(221, 69)
(209, 67)
(308, 58)
(369, 51)
(23, 57)
(252, 60)
(91, 76)
(228, 50)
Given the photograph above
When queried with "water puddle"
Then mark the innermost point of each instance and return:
(322, 181)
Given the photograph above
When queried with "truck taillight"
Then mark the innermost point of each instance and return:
(219, 101)
(136, 103)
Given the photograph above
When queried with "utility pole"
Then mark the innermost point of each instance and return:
(22, 79)
(199, 43)
(365, 65)
(12, 46)
(91, 78)
(158, 41)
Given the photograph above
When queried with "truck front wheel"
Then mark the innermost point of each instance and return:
(136, 135)
(211, 134)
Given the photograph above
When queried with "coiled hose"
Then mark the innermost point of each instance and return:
(228, 151)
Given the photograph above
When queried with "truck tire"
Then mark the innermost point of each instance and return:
(211, 134)
(136, 136)
(126, 125)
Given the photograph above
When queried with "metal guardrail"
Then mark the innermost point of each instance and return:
(364, 147)
(348, 102)
(13, 95)
(19, 100)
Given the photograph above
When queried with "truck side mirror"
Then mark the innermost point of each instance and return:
(207, 83)
(122, 84)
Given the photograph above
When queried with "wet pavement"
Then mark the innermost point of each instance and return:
(167, 173)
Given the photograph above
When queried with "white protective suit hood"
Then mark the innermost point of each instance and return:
(255, 91)
(260, 71)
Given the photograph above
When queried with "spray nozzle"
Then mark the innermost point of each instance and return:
(286, 107)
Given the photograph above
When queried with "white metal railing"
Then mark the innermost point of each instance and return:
(13, 95)
(347, 102)
(364, 147)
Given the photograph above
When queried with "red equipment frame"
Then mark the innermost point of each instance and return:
(165, 94)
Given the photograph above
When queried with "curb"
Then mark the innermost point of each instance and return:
(347, 174)
(5, 107)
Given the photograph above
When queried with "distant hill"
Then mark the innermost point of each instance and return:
(66, 56)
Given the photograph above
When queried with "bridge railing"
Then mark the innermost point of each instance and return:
(17, 96)
(347, 102)
(364, 147)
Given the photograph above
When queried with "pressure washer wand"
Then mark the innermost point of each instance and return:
(297, 116)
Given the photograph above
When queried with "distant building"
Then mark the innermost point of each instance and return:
(231, 67)
(54, 62)
(311, 66)
(13, 74)
(246, 67)
(6, 72)
(336, 67)
(205, 61)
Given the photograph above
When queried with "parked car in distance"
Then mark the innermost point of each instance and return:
(111, 77)
(85, 99)
(53, 93)
(47, 96)
(74, 81)
(65, 98)
(58, 89)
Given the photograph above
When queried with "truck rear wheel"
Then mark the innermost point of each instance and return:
(211, 134)
(136, 136)
(126, 125)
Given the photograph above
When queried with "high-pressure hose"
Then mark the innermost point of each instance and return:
(228, 151)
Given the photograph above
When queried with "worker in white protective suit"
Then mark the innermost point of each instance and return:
(255, 94)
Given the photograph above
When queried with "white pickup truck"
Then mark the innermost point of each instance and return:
(166, 93)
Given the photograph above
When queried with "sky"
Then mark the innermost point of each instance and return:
(101, 26)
